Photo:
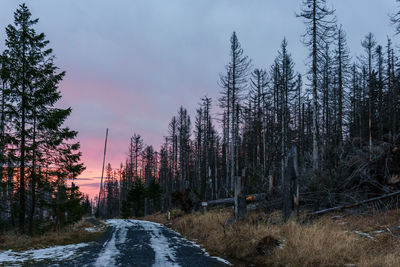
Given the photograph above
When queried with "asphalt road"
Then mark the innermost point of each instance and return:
(139, 243)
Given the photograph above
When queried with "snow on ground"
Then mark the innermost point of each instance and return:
(221, 260)
(215, 257)
(109, 253)
(164, 255)
(56, 253)
(194, 244)
(93, 230)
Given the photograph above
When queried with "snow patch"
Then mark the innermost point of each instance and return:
(56, 253)
(378, 232)
(222, 260)
(109, 253)
(164, 255)
(93, 230)
(214, 257)
(194, 244)
(282, 244)
(365, 235)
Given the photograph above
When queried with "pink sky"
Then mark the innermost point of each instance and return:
(93, 119)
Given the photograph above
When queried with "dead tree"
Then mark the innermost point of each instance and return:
(240, 197)
(320, 24)
(290, 185)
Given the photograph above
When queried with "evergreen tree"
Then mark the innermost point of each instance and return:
(34, 125)
(153, 192)
(136, 196)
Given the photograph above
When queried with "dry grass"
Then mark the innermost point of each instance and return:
(71, 234)
(328, 241)
(163, 217)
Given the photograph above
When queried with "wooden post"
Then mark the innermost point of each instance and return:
(204, 204)
(290, 185)
(240, 197)
(146, 206)
(271, 183)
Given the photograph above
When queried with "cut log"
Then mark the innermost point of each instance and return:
(320, 212)
(230, 201)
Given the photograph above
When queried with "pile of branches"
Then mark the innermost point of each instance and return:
(352, 175)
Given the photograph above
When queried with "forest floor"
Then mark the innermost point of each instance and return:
(339, 239)
(86, 230)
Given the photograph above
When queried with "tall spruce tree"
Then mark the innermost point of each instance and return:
(38, 132)
(25, 51)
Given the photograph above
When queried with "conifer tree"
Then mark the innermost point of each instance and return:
(320, 23)
(36, 125)
(342, 61)
(234, 82)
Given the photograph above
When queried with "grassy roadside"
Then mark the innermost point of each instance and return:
(262, 240)
(80, 232)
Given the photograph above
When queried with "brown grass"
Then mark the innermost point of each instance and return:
(71, 234)
(327, 241)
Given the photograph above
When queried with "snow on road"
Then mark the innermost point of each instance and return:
(109, 253)
(57, 253)
(126, 243)
(164, 255)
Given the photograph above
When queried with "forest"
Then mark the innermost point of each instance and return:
(287, 164)
(309, 142)
(39, 156)
(324, 139)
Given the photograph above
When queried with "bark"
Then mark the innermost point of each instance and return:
(240, 198)
(315, 151)
(290, 185)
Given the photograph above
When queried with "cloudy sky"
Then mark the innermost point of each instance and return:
(131, 63)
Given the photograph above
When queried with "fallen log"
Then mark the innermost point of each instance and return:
(320, 212)
(230, 201)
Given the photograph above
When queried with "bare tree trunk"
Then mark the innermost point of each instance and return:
(33, 178)
(290, 185)
(315, 156)
(240, 197)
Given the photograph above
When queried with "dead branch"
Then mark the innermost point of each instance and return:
(320, 212)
